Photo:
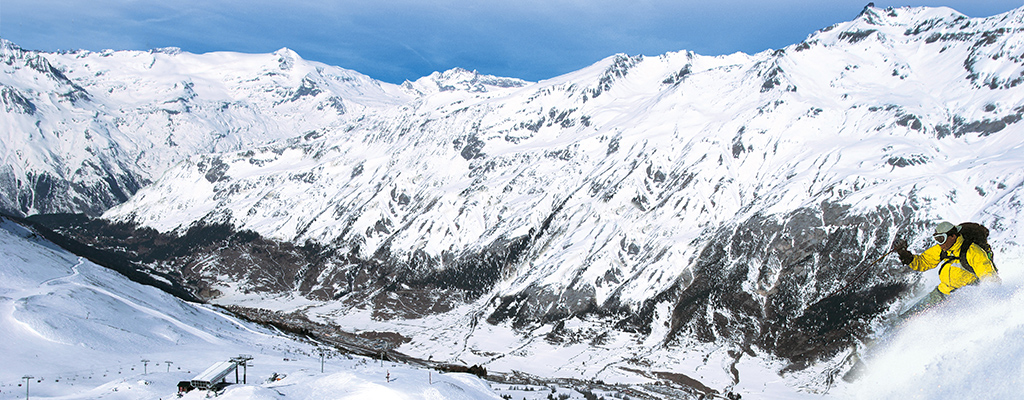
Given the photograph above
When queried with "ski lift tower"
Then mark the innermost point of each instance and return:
(323, 354)
(27, 378)
(243, 361)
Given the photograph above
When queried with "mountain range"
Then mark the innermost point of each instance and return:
(675, 214)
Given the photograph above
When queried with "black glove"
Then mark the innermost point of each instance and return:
(906, 257)
(900, 247)
(899, 244)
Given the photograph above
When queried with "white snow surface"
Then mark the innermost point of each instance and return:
(81, 331)
(968, 348)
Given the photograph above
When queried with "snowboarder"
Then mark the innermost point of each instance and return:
(959, 264)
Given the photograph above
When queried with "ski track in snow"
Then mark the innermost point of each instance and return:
(74, 273)
(49, 285)
(209, 338)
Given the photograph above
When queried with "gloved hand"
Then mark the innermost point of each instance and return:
(900, 247)
(899, 244)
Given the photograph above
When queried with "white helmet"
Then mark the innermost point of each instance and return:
(944, 227)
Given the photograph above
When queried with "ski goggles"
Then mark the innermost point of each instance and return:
(940, 237)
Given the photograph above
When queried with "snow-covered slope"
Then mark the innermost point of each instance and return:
(82, 332)
(82, 131)
(969, 348)
(905, 105)
(727, 197)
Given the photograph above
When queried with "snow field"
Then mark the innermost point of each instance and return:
(82, 332)
(969, 347)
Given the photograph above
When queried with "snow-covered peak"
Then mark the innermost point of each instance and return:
(167, 50)
(287, 58)
(149, 110)
(9, 50)
(915, 24)
(904, 16)
(458, 79)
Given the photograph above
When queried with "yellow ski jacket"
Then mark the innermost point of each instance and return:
(952, 275)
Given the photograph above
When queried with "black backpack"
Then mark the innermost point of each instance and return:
(972, 233)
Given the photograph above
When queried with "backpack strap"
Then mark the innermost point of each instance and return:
(963, 257)
(945, 258)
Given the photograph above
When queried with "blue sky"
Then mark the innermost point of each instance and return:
(395, 40)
